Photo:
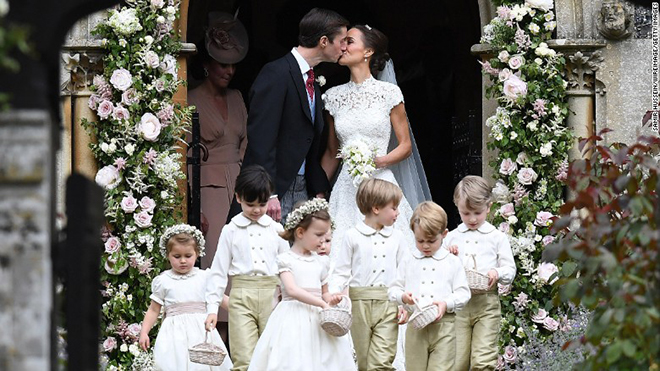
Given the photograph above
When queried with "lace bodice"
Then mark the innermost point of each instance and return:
(363, 111)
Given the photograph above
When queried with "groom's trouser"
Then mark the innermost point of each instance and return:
(297, 192)
(250, 305)
(375, 328)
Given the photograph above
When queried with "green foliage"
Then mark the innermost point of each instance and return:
(13, 37)
(610, 239)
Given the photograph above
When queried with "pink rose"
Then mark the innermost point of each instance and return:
(109, 344)
(514, 87)
(129, 204)
(157, 4)
(93, 102)
(500, 363)
(142, 219)
(129, 97)
(516, 62)
(120, 113)
(522, 158)
(527, 176)
(134, 329)
(507, 210)
(159, 85)
(547, 240)
(504, 227)
(121, 79)
(149, 127)
(504, 74)
(147, 204)
(168, 65)
(510, 354)
(550, 324)
(543, 219)
(540, 316)
(546, 270)
(112, 245)
(105, 109)
(503, 56)
(508, 167)
(108, 177)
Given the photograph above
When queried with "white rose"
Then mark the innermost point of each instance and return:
(142, 219)
(513, 135)
(112, 148)
(504, 74)
(133, 349)
(129, 204)
(160, 19)
(527, 176)
(129, 148)
(544, 5)
(170, 10)
(501, 192)
(164, 195)
(121, 79)
(147, 204)
(546, 149)
(108, 177)
(148, 39)
(104, 147)
(516, 62)
(508, 167)
(151, 59)
(149, 127)
(512, 219)
(503, 56)
(168, 65)
(532, 125)
(545, 271)
(514, 87)
(157, 4)
(538, 61)
(539, 316)
(123, 348)
(522, 158)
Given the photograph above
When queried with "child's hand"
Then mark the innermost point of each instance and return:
(453, 249)
(334, 299)
(211, 321)
(442, 309)
(403, 315)
(492, 278)
(144, 341)
(407, 298)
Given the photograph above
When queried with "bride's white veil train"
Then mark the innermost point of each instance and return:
(409, 173)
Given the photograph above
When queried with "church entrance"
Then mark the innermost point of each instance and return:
(429, 42)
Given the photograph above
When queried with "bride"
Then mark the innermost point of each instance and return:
(371, 111)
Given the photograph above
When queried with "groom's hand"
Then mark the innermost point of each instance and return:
(274, 209)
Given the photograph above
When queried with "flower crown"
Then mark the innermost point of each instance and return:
(178, 229)
(309, 207)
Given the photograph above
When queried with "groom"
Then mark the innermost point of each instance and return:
(286, 121)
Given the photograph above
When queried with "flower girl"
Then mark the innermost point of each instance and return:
(180, 291)
(293, 338)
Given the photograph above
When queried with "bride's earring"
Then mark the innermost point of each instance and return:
(365, 59)
(206, 72)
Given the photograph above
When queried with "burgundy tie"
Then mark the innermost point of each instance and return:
(309, 84)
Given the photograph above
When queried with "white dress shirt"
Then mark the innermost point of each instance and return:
(247, 248)
(490, 248)
(371, 256)
(439, 277)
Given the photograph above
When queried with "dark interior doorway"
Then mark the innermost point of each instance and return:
(429, 43)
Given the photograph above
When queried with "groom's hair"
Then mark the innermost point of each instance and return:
(254, 184)
(318, 23)
(375, 192)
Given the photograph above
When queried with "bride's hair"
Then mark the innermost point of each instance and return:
(377, 41)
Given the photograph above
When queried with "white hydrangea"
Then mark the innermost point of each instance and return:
(125, 22)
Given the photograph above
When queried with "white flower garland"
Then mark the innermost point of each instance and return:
(309, 207)
(179, 229)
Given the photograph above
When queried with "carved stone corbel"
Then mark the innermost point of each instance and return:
(581, 68)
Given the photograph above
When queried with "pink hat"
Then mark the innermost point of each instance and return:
(226, 38)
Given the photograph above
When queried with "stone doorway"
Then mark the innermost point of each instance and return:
(429, 42)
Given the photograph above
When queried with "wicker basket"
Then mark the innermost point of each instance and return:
(337, 320)
(206, 353)
(423, 316)
(477, 282)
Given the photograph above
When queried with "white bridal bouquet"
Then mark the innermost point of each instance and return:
(358, 158)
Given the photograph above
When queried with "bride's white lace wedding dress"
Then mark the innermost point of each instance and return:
(362, 111)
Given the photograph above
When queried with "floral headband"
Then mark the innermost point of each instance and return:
(309, 207)
(178, 229)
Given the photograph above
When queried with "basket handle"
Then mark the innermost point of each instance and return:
(416, 303)
(474, 260)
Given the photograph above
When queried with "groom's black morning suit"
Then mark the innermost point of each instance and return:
(280, 130)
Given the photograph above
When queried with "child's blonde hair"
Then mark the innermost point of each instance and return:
(377, 193)
(184, 239)
(430, 217)
(474, 191)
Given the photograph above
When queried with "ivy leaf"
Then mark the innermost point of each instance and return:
(613, 352)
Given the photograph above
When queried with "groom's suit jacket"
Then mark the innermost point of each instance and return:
(280, 130)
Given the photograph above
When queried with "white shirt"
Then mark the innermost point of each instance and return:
(434, 278)
(489, 246)
(370, 256)
(247, 248)
(302, 63)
